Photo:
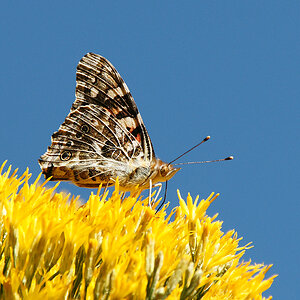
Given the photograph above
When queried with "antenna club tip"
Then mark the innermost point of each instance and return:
(229, 158)
(207, 138)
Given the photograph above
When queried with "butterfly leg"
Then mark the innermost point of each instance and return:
(159, 185)
(150, 191)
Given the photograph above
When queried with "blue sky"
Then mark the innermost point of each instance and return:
(229, 69)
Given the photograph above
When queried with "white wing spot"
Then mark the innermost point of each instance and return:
(119, 91)
(94, 92)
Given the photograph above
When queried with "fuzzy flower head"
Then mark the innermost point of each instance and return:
(52, 247)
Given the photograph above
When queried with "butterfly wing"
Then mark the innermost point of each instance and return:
(103, 137)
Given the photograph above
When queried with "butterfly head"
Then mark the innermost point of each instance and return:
(164, 171)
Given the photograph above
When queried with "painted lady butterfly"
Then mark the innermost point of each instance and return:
(103, 137)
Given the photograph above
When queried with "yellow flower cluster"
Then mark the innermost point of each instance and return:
(53, 248)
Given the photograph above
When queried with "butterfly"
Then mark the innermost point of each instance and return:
(103, 137)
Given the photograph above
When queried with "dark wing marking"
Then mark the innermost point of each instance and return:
(89, 136)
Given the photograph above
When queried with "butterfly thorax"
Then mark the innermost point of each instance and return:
(142, 172)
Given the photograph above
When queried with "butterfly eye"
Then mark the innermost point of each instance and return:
(85, 128)
(66, 155)
(163, 170)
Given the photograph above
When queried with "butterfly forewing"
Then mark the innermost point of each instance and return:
(100, 83)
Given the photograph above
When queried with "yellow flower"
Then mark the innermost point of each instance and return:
(114, 248)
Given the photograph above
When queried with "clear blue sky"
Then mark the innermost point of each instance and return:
(229, 69)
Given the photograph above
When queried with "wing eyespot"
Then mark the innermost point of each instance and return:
(85, 128)
(66, 155)
(78, 135)
(69, 143)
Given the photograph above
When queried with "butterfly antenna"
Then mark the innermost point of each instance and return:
(204, 140)
(165, 197)
(203, 162)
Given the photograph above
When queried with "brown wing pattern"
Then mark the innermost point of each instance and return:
(88, 146)
(103, 130)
